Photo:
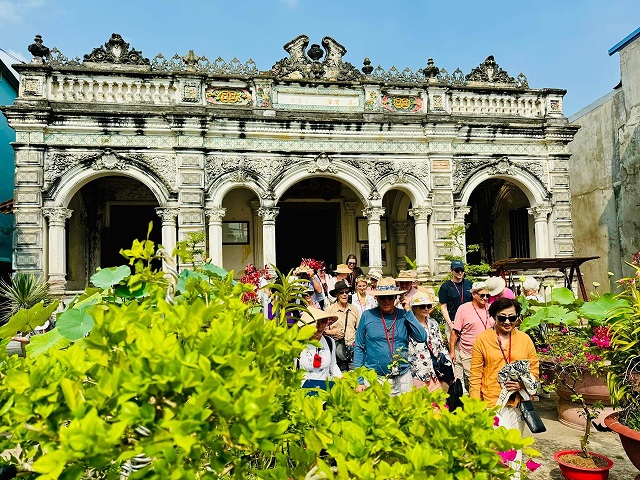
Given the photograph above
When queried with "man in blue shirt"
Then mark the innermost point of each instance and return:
(382, 338)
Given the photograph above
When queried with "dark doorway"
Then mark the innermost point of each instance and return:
(307, 230)
(127, 223)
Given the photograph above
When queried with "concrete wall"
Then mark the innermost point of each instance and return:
(605, 182)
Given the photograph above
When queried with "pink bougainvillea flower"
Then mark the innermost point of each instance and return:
(508, 456)
(532, 466)
(496, 421)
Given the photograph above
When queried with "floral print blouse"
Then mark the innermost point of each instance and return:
(419, 355)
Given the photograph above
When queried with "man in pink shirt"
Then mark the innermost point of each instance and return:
(472, 318)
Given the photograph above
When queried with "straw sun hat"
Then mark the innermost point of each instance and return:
(386, 286)
(313, 316)
(495, 285)
(342, 268)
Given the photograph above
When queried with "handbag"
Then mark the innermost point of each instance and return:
(344, 352)
(442, 366)
(530, 416)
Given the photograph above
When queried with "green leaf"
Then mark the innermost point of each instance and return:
(601, 308)
(28, 319)
(107, 277)
(563, 296)
(185, 275)
(219, 271)
(555, 314)
(41, 343)
(124, 291)
(74, 324)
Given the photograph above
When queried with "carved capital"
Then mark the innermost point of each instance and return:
(421, 213)
(350, 208)
(215, 214)
(373, 213)
(168, 215)
(540, 212)
(57, 215)
(268, 214)
(255, 206)
(401, 229)
(460, 212)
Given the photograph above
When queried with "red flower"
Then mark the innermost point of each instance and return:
(496, 421)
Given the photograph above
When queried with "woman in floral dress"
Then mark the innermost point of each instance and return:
(422, 370)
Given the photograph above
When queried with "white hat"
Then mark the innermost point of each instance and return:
(419, 299)
(530, 283)
(495, 285)
(478, 286)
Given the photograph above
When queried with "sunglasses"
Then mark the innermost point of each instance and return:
(386, 298)
(351, 263)
(422, 307)
(344, 292)
(504, 318)
(458, 270)
(484, 295)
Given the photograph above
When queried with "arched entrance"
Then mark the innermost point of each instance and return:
(499, 222)
(317, 218)
(108, 214)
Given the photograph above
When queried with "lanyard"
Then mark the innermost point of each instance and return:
(461, 291)
(391, 343)
(484, 324)
(502, 349)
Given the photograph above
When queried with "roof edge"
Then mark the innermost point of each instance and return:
(13, 80)
(625, 41)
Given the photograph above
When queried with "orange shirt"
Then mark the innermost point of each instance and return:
(487, 360)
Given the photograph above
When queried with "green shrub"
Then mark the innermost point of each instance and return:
(183, 374)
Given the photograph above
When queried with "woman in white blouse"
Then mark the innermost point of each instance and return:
(319, 363)
(362, 300)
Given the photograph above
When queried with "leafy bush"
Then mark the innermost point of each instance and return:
(179, 377)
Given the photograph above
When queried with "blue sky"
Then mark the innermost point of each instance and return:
(555, 43)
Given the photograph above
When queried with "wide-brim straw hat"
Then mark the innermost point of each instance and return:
(406, 276)
(342, 268)
(314, 314)
(386, 286)
(374, 276)
(341, 285)
(495, 285)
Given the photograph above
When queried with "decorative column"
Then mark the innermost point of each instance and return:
(421, 218)
(256, 234)
(349, 240)
(169, 230)
(373, 215)
(400, 229)
(215, 216)
(459, 213)
(540, 215)
(57, 251)
(269, 215)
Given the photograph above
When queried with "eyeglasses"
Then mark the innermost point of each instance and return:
(504, 318)
(458, 270)
(484, 295)
(422, 307)
(344, 292)
(351, 263)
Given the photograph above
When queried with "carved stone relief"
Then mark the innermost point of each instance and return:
(465, 168)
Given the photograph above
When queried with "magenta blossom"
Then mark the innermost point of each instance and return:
(532, 466)
(508, 456)
(496, 421)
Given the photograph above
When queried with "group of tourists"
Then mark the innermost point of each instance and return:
(385, 324)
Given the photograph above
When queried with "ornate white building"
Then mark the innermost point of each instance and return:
(311, 158)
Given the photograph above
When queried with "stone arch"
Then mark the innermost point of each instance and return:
(342, 172)
(418, 192)
(221, 187)
(73, 180)
(532, 187)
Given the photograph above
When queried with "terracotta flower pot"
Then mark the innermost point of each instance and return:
(629, 438)
(593, 388)
(569, 472)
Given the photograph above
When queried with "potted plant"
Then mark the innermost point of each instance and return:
(623, 377)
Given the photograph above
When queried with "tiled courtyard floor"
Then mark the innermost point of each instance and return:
(558, 437)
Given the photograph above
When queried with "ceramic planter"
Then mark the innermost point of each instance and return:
(629, 438)
(569, 472)
(593, 388)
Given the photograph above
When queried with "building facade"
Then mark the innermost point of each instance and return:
(8, 92)
(605, 171)
(311, 158)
